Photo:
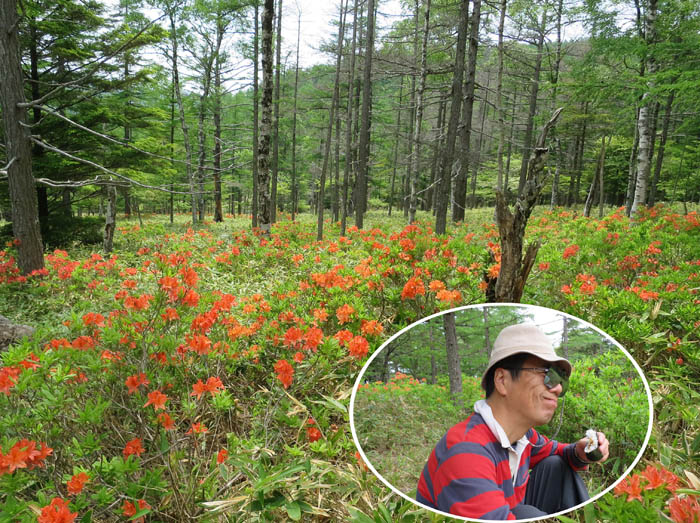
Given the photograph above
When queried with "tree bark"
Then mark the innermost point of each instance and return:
(264, 203)
(294, 122)
(454, 369)
(18, 149)
(397, 136)
(218, 211)
(460, 194)
(256, 119)
(644, 122)
(499, 96)
(276, 141)
(446, 165)
(110, 219)
(363, 152)
(415, 157)
(331, 116)
(348, 125)
(532, 111)
(662, 149)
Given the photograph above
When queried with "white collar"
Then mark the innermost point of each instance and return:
(482, 408)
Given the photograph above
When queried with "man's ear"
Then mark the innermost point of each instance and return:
(501, 378)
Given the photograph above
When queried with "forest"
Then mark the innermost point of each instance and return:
(212, 213)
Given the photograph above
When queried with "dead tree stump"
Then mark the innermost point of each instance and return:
(508, 286)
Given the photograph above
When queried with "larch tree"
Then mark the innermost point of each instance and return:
(18, 149)
(264, 202)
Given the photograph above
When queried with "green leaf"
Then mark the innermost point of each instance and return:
(293, 510)
(360, 517)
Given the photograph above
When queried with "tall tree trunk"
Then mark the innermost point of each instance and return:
(555, 81)
(483, 112)
(18, 149)
(439, 142)
(331, 116)
(218, 210)
(644, 122)
(406, 179)
(276, 141)
(183, 122)
(348, 125)
(499, 96)
(454, 369)
(415, 157)
(446, 165)
(662, 148)
(264, 203)
(363, 152)
(460, 195)
(256, 120)
(534, 90)
(294, 122)
(172, 145)
(397, 137)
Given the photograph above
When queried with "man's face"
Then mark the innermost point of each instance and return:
(529, 397)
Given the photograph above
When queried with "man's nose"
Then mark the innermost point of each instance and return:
(557, 389)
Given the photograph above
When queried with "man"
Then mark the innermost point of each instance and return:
(481, 467)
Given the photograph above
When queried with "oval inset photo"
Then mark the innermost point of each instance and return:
(496, 411)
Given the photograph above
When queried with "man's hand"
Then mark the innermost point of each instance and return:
(602, 445)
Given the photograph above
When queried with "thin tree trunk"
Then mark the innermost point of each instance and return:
(446, 165)
(276, 141)
(644, 122)
(532, 111)
(110, 219)
(256, 138)
(348, 124)
(331, 116)
(499, 96)
(662, 149)
(218, 211)
(363, 153)
(396, 147)
(18, 149)
(264, 203)
(483, 110)
(183, 122)
(454, 369)
(460, 195)
(294, 122)
(415, 158)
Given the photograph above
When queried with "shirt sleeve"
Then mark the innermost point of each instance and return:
(543, 448)
(466, 485)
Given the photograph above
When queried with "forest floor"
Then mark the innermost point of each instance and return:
(206, 373)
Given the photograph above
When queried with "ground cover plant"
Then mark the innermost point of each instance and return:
(206, 374)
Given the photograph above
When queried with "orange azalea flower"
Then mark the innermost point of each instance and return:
(133, 447)
(198, 389)
(343, 336)
(189, 276)
(221, 456)
(129, 509)
(166, 421)
(413, 287)
(320, 314)
(371, 328)
(343, 313)
(313, 338)
(298, 357)
(57, 512)
(191, 298)
(285, 372)
(436, 285)
(199, 343)
(630, 486)
(157, 399)
(197, 428)
(358, 346)
(313, 434)
(685, 509)
(92, 318)
(293, 336)
(570, 251)
(170, 314)
(543, 266)
(77, 482)
(494, 270)
(133, 382)
(566, 289)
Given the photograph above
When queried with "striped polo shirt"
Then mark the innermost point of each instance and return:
(475, 472)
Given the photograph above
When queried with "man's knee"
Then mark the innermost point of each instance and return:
(552, 464)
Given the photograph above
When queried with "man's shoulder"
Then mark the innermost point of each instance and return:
(471, 430)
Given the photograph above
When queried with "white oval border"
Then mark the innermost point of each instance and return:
(481, 305)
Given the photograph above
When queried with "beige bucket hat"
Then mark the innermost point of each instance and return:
(527, 338)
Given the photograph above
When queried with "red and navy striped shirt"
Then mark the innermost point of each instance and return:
(468, 473)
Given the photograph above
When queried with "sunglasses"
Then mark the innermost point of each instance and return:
(553, 376)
